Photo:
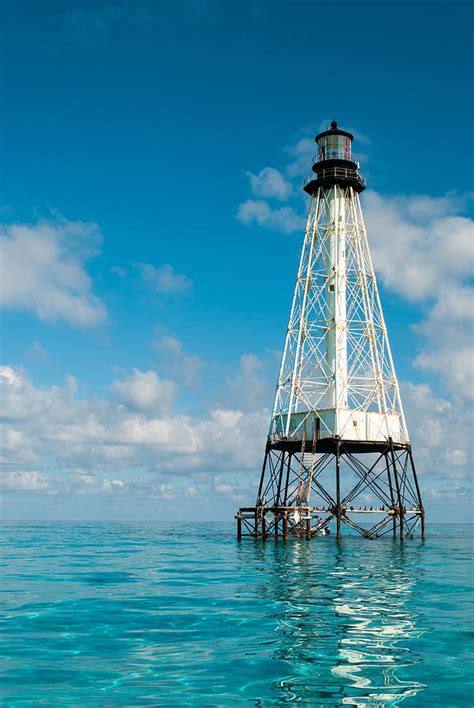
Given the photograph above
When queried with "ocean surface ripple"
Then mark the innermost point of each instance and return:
(129, 614)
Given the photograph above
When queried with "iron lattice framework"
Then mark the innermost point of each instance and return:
(336, 354)
(338, 444)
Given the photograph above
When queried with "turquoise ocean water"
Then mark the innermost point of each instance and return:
(124, 614)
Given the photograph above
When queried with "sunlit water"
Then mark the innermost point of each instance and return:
(157, 615)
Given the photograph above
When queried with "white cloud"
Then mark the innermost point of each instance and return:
(420, 245)
(451, 315)
(270, 183)
(167, 345)
(258, 211)
(82, 482)
(441, 435)
(449, 334)
(51, 426)
(250, 386)
(167, 491)
(301, 155)
(455, 366)
(164, 279)
(29, 481)
(423, 249)
(79, 447)
(177, 362)
(43, 270)
(145, 392)
(222, 486)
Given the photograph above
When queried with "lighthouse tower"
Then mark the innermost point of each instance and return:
(338, 450)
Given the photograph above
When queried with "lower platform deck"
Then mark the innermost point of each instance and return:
(308, 522)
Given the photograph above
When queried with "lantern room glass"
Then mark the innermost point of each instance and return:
(334, 147)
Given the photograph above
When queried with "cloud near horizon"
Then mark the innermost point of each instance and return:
(56, 442)
(49, 428)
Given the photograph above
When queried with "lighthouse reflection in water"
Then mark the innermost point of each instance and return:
(342, 625)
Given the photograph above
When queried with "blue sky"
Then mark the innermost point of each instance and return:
(144, 304)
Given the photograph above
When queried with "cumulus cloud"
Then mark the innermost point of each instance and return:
(455, 367)
(441, 437)
(145, 392)
(164, 280)
(300, 154)
(270, 183)
(250, 387)
(259, 211)
(423, 249)
(419, 244)
(29, 481)
(449, 333)
(167, 344)
(52, 426)
(43, 270)
(222, 486)
(183, 366)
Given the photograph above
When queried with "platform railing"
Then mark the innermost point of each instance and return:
(341, 172)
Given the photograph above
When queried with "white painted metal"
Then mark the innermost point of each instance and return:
(337, 370)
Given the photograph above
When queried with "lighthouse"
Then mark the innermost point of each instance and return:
(338, 451)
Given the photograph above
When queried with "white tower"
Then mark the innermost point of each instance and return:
(337, 396)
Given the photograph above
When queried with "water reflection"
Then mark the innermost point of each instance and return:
(343, 621)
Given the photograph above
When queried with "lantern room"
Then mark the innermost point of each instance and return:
(334, 144)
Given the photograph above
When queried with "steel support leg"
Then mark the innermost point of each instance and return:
(287, 480)
(338, 491)
(397, 486)
(392, 499)
(420, 503)
(262, 476)
(280, 477)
